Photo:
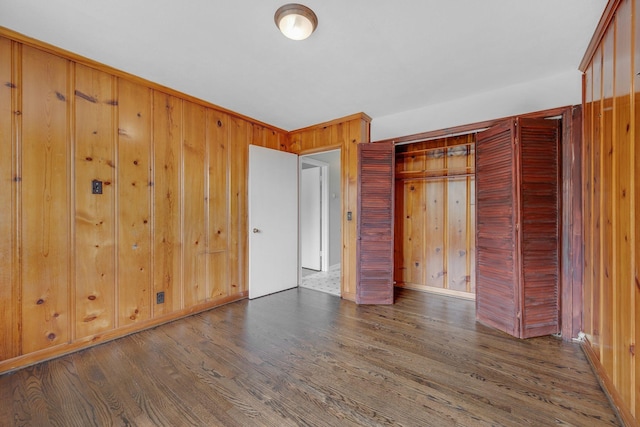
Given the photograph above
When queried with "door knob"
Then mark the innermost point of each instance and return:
(256, 230)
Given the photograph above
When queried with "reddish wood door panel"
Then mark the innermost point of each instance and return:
(496, 252)
(518, 213)
(540, 216)
(374, 250)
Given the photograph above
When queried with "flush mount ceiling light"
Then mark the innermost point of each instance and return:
(296, 21)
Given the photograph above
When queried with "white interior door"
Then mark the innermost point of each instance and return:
(310, 218)
(273, 221)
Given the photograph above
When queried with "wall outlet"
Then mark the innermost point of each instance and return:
(96, 187)
(160, 298)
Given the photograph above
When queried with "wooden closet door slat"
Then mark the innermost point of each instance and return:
(374, 250)
(496, 256)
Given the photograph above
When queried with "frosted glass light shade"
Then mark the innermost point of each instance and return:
(296, 21)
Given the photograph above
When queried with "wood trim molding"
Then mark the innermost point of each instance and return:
(605, 20)
(356, 116)
(15, 36)
(433, 290)
(607, 385)
(322, 149)
(472, 127)
(81, 344)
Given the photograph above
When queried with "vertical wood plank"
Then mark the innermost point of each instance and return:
(45, 200)
(497, 294)
(434, 230)
(635, 150)
(167, 196)
(457, 220)
(94, 213)
(571, 226)
(194, 193)
(471, 220)
(322, 137)
(399, 233)
(134, 203)
(258, 135)
(218, 197)
(238, 150)
(596, 190)
(587, 202)
(9, 292)
(609, 204)
(623, 177)
(374, 275)
(540, 215)
(350, 197)
(414, 239)
(274, 140)
(438, 237)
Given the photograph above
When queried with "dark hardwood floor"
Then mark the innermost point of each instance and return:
(302, 357)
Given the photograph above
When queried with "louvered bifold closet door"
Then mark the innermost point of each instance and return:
(374, 249)
(497, 271)
(539, 141)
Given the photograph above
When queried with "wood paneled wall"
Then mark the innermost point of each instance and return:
(611, 195)
(78, 268)
(435, 216)
(345, 133)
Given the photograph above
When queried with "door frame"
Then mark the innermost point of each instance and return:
(324, 210)
(572, 252)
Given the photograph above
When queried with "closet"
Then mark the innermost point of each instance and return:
(518, 211)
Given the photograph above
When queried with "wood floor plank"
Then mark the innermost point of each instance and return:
(304, 358)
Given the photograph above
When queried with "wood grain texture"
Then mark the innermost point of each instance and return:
(587, 201)
(167, 202)
(134, 188)
(45, 195)
(497, 266)
(518, 214)
(572, 240)
(635, 150)
(9, 285)
(217, 205)
(301, 357)
(344, 133)
(612, 120)
(83, 268)
(194, 209)
(597, 226)
(436, 243)
(374, 250)
(623, 182)
(608, 200)
(238, 202)
(539, 142)
(95, 216)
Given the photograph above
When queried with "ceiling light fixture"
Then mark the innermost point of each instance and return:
(296, 21)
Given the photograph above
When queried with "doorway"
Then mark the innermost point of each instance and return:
(320, 222)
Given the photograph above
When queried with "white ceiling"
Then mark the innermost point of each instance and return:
(380, 57)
